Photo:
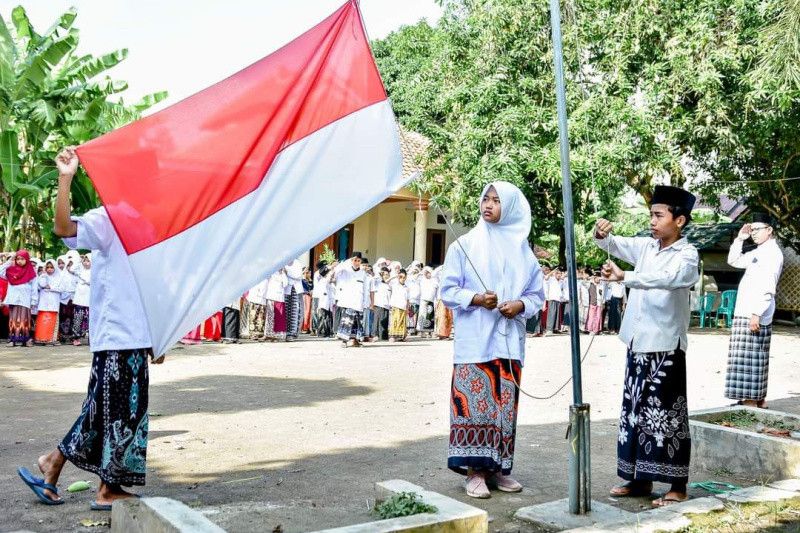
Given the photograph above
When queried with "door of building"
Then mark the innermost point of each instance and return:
(340, 242)
(435, 249)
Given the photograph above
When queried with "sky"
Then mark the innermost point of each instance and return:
(183, 46)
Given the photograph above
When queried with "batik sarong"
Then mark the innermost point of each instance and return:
(230, 324)
(426, 317)
(444, 320)
(80, 321)
(653, 443)
(65, 322)
(292, 304)
(19, 324)
(47, 330)
(244, 326)
(398, 328)
(411, 317)
(748, 361)
(483, 416)
(275, 320)
(256, 320)
(109, 438)
(324, 322)
(315, 316)
(351, 325)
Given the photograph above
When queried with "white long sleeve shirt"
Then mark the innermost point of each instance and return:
(763, 266)
(25, 294)
(552, 289)
(355, 287)
(49, 297)
(83, 292)
(657, 316)
(483, 335)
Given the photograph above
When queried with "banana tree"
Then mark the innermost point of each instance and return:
(50, 96)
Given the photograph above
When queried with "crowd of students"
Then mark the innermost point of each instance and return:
(353, 301)
(47, 303)
(601, 304)
(44, 302)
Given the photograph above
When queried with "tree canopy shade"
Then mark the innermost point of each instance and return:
(697, 93)
(50, 97)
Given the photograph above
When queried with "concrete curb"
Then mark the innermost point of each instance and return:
(671, 518)
(158, 515)
(452, 515)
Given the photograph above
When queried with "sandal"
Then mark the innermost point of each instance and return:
(632, 489)
(476, 487)
(38, 486)
(666, 501)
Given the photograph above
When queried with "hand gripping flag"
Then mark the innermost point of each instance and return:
(214, 193)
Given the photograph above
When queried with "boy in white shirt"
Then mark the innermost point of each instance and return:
(751, 331)
(109, 438)
(398, 328)
(653, 441)
(353, 282)
(383, 306)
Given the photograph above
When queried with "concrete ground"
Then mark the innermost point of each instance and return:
(294, 435)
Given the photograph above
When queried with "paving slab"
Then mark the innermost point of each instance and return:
(556, 514)
(158, 515)
(665, 522)
(786, 484)
(757, 494)
(693, 506)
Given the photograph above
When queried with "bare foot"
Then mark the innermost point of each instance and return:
(670, 498)
(106, 493)
(50, 466)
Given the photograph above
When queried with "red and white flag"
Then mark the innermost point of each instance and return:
(214, 193)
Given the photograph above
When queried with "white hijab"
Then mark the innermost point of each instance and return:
(500, 252)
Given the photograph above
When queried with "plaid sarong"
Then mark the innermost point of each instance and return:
(748, 361)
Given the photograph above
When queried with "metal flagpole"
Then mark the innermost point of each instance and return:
(579, 457)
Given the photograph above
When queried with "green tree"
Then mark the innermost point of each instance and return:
(50, 97)
(480, 85)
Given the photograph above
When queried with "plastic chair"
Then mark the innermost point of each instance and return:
(726, 307)
(707, 310)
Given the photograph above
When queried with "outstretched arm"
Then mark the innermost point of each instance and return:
(67, 163)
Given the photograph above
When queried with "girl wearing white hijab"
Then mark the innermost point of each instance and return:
(493, 283)
(80, 301)
(46, 331)
(428, 287)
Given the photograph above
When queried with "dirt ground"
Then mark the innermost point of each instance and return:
(261, 435)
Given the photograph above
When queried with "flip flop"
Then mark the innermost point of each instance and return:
(635, 492)
(38, 486)
(100, 506)
(94, 506)
(666, 502)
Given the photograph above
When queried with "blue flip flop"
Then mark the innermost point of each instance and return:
(38, 486)
(105, 506)
(100, 506)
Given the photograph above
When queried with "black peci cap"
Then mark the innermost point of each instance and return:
(763, 218)
(674, 196)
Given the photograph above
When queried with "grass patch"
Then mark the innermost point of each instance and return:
(403, 504)
(751, 421)
(773, 517)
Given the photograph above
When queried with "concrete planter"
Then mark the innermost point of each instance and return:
(744, 452)
(452, 515)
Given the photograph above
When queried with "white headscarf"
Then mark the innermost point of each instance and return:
(500, 252)
(54, 279)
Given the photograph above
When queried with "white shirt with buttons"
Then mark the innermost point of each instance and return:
(756, 295)
(657, 316)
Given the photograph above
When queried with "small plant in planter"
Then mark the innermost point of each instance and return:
(403, 504)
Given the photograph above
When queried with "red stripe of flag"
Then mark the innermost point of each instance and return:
(165, 173)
